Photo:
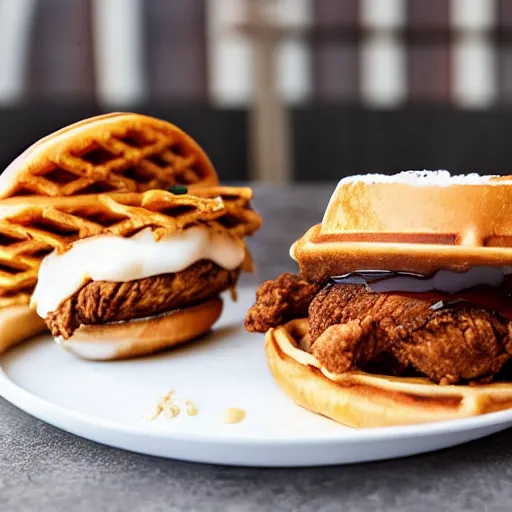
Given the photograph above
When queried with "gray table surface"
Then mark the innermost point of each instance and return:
(45, 469)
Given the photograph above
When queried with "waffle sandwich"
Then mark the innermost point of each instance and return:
(114, 153)
(402, 311)
(128, 274)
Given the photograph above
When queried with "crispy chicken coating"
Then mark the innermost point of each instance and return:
(100, 302)
(279, 301)
(350, 327)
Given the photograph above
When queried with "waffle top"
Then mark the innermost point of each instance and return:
(410, 223)
(36, 226)
(120, 152)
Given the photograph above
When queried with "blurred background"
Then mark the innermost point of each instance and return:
(275, 90)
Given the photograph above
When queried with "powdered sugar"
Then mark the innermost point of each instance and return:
(423, 178)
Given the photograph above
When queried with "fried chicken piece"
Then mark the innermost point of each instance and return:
(101, 302)
(279, 301)
(350, 327)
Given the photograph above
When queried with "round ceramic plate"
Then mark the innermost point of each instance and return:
(111, 403)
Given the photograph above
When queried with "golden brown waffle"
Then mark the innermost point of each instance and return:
(18, 323)
(20, 257)
(115, 152)
(15, 299)
(360, 399)
(240, 218)
(398, 226)
(32, 228)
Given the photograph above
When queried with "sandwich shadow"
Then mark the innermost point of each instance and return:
(215, 335)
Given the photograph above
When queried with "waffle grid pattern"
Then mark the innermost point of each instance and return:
(29, 232)
(129, 159)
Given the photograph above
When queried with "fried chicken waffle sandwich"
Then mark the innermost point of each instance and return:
(132, 273)
(402, 310)
(120, 152)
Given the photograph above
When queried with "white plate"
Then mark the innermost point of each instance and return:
(110, 402)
